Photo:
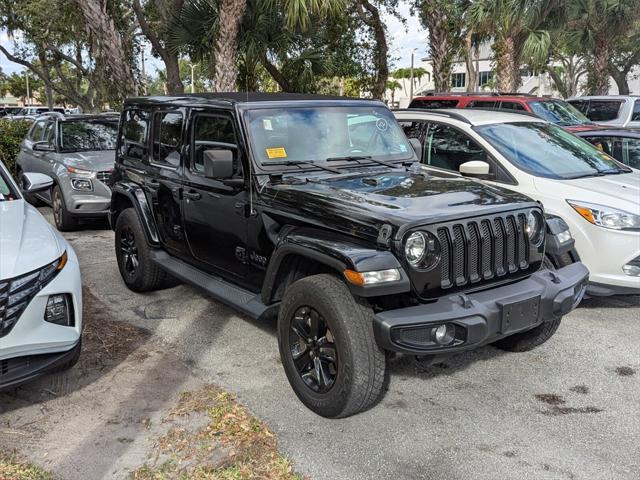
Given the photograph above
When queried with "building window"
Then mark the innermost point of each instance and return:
(484, 78)
(458, 80)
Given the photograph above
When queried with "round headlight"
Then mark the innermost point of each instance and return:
(535, 228)
(415, 248)
(422, 250)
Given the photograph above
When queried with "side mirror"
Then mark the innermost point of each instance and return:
(417, 147)
(35, 182)
(475, 168)
(43, 147)
(218, 164)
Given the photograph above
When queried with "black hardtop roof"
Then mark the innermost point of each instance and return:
(235, 98)
(90, 116)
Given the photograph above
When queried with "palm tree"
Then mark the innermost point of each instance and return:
(393, 85)
(519, 31)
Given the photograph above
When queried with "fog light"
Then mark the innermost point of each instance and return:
(59, 310)
(632, 270)
(563, 236)
(444, 334)
(82, 184)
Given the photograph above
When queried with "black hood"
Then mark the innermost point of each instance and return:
(361, 203)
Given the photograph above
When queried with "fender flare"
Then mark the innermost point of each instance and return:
(338, 252)
(554, 248)
(135, 195)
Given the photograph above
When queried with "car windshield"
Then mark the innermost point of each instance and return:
(319, 134)
(7, 192)
(558, 112)
(86, 135)
(546, 150)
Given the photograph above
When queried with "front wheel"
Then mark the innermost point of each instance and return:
(525, 341)
(328, 348)
(63, 219)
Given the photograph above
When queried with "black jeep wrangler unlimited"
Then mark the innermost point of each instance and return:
(314, 208)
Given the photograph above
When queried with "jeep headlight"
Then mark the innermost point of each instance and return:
(535, 228)
(607, 217)
(422, 250)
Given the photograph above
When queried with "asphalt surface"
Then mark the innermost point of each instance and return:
(568, 410)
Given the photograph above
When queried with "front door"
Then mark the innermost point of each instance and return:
(215, 215)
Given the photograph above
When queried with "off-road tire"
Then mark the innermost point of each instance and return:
(61, 216)
(360, 378)
(525, 341)
(148, 276)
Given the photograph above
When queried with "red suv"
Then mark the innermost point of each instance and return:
(551, 109)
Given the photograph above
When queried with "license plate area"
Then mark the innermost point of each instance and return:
(520, 314)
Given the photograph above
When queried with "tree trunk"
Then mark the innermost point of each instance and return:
(276, 74)
(472, 73)
(507, 68)
(111, 47)
(439, 48)
(598, 82)
(620, 77)
(370, 16)
(225, 71)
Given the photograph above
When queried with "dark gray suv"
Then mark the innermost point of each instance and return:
(77, 152)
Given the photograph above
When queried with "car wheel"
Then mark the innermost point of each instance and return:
(63, 219)
(328, 348)
(139, 272)
(525, 341)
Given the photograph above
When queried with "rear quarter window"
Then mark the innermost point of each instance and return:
(482, 104)
(635, 116)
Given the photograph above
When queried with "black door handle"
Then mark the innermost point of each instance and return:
(191, 195)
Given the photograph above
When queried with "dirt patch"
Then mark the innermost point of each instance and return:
(549, 398)
(555, 410)
(625, 371)
(232, 444)
(13, 469)
(583, 389)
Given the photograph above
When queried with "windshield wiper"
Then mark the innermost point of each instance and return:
(585, 175)
(299, 163)
(355, 158)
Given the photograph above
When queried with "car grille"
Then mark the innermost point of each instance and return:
(484, 249)
(104, 176)
(10, 311)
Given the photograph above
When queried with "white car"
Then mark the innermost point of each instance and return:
(40, 289)
(597, 197)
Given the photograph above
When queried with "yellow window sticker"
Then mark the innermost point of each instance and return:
(277, 152)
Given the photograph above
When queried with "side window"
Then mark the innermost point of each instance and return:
(604, 144)
(632, 151)
(635, 116)
(49, 135)
(210, 132)
(37, 131)
(134, 134)
(512, 106)
(582, 105)
(419, 103)
(449, 148)
(603, 110)
(482, 104)
(167, 136)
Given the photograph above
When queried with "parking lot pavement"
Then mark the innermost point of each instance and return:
(569, 409)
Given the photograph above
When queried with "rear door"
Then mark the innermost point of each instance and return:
(215, 214)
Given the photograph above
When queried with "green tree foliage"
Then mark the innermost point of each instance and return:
(12, 132)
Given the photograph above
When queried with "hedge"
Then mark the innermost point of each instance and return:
(12, 132)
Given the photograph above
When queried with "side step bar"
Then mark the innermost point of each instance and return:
(242, 300)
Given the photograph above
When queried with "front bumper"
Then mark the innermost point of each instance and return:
(19, 370)
(89, 204)
(479, 318)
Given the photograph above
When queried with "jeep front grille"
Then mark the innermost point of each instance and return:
(104, 176)
(477, 250)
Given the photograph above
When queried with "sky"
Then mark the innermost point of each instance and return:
(402, 40)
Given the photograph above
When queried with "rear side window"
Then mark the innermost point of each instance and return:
(167, 136)
(209, 132)
(135, 125)
(512, 106)
(603, 110)
(635, 117)
(625, 150)
(420, 103)
(482, 104)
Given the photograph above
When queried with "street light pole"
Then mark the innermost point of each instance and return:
(193, 82)
(411, 76)
(26, 74)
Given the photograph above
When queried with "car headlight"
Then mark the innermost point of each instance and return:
(607, 217)
(80, 172)
(422, 250)
(535, 228)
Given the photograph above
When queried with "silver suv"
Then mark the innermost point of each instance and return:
(613, 110)
(77, 152)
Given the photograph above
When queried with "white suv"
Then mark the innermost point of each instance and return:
(40, 290)
(598, 197)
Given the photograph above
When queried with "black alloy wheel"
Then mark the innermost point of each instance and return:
(313, 349)
(129, 251)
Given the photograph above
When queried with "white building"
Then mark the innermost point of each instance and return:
(535, 84)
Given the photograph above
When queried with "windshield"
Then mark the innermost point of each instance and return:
(546, 150)
(88, 135)
(317, 134)
(7, 192)
(558, 112)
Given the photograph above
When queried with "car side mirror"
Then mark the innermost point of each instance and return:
(417, 147)
(43, 147)
(35, 182)
(475, 168)
(218, 164)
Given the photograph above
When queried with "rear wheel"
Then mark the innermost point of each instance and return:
(139, 272)
(63, 219)
(328, 348)
(525, 341)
